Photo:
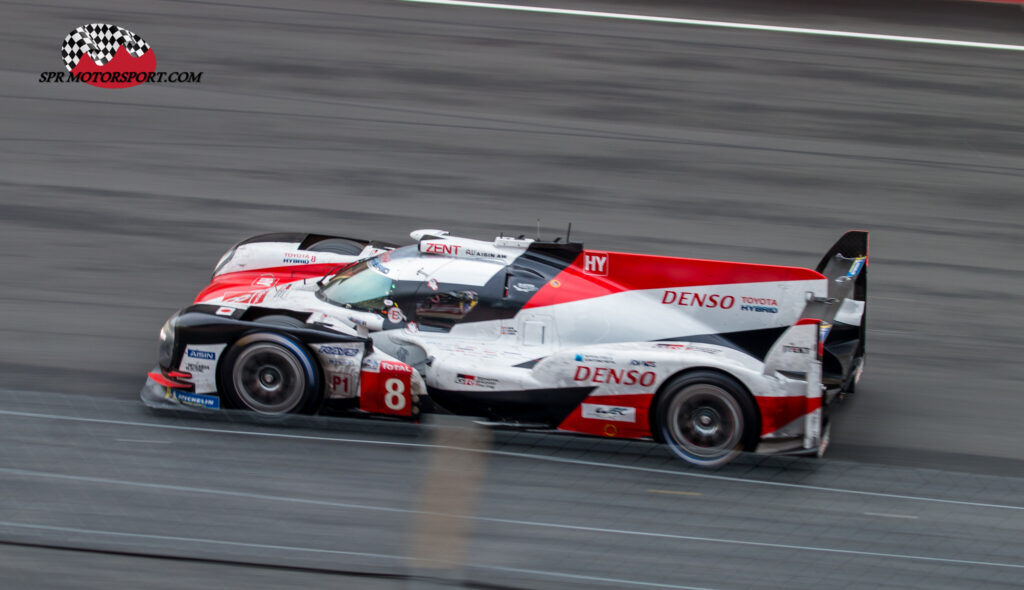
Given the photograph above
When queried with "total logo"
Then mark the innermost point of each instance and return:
(393, 367)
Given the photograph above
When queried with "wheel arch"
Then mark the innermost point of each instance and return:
(652, 413)
(279, 334)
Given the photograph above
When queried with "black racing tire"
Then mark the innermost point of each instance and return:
(285, 321)
(271, 375)
(337, 246)
(706, 418)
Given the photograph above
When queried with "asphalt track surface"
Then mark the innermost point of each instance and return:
(375, 118)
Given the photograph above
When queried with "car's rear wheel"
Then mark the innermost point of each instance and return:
(706, 418)
(337, 246)
(271, 375)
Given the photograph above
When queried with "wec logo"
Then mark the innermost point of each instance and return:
(109, 56)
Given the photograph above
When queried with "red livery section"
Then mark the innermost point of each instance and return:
(248, 284)
(625, 416)
(387, 390)
(776, 412)
(596, 274)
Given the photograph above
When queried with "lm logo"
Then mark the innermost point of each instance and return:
(596, 263)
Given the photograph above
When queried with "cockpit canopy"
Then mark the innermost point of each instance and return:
(413, 284)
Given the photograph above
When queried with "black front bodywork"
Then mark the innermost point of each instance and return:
(200, 324)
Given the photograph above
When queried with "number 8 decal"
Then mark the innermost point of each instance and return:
(393, 396)
(387, 389)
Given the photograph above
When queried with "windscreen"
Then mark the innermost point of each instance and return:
(359, 287)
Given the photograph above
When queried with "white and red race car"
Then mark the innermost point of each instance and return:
(712, 358)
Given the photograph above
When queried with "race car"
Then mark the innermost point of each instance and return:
(711, 358)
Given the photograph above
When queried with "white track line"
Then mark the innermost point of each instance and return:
(724, 24)
(385, 443)
(192, 540)
(507, 521)
(885, 515)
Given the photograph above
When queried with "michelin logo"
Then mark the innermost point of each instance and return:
(194, 399)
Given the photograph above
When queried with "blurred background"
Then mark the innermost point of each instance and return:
(372, 118)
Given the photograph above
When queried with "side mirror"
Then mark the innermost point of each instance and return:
(364, 321)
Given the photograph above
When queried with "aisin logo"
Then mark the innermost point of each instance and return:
(99, 48)
(109, 56)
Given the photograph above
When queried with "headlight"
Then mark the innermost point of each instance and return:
(166, 354)
(224, 260)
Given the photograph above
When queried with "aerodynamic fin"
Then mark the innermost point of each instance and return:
(846, 268)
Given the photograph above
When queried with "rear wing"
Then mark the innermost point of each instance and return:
(844, 309)
(825, 348)
(840, 314)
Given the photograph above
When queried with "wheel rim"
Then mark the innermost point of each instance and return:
(268, 379)
(706, 423)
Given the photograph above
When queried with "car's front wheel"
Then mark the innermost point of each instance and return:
(706, 418)
(270, 374)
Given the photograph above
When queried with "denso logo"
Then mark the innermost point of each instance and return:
(615, 376)
(690, 299)
(442, 248)
(595, 263)
(796, 349)
(201, 354)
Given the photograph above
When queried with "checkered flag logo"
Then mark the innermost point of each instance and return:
(101, 42)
